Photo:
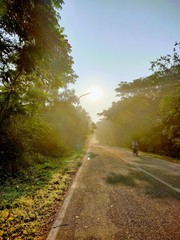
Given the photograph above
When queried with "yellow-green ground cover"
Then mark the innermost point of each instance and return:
(28, 204)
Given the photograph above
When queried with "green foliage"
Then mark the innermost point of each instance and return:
(70, 124)
(38, 124)
(170, 119)
(130, 119)
(34, 53)
(34, 57)
(165, 78)
(17, 140)
(148, 110)
(35, 62)
(29, 200)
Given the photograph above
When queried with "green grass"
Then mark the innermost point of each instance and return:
(29, 200)
(162, 157)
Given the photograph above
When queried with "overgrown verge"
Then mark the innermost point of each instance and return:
(28, 203)
(162, 157)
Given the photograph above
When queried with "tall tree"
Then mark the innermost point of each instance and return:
(35, 62)
(166, 77)
(35, 54)
(148, 109)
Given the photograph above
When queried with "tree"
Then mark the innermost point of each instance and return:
(168, 67)
(170, 119)
(34, 58)
(71, 124)
(166, 77)
(148, 109)
(35, 62)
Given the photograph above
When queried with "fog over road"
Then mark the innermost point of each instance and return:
(120, 196)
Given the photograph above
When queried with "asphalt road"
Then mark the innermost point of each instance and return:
(119, 196)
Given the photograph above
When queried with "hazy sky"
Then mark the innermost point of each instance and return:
(115, 40)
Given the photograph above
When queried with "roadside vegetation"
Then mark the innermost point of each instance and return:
(43, 129)
(29, 203)
(148, 110)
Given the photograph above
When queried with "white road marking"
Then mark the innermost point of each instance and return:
(153, 176)
(57, 223)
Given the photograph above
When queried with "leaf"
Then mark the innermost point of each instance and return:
(8, 215)
(1, 233)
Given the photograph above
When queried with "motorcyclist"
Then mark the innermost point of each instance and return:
(135, 147)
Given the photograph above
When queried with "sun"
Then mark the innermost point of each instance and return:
(95, 93)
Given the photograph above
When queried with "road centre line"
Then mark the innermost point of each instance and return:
(153, 176)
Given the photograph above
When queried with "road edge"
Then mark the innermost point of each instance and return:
(58, 221)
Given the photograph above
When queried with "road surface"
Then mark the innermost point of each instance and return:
(119, 196)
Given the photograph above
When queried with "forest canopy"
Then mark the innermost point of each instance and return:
(148, 110)
(35, 63)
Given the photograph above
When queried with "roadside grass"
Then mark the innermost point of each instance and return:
(155, 155)
(162, 157)
(30, 200)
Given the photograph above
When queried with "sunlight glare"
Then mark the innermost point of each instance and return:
(95, 93)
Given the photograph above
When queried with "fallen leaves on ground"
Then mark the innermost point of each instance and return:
(31, 216)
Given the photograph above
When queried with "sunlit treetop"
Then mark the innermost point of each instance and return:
(31, 30)
(35, 58)
(166, 75)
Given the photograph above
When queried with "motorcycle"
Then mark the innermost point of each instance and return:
(135, 151)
